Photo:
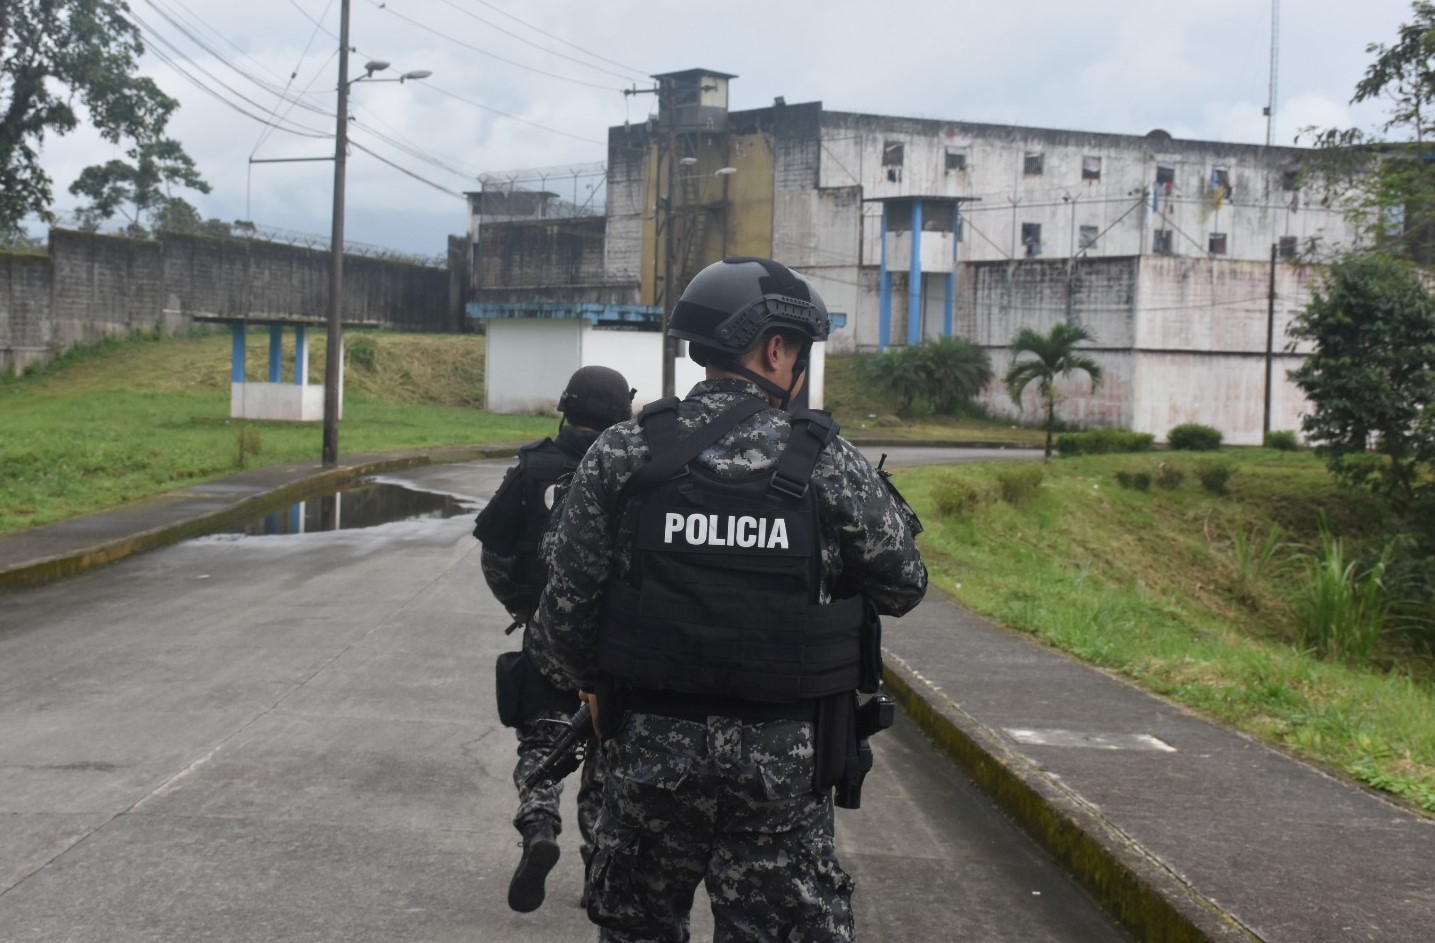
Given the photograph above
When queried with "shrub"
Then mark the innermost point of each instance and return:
(1137, 481)
(1018, 485)
(956, 497)
(362, 353)
(944, 373)
(1215, 477)
(1169, 476)
(1194, 437)
(1282, 440)
(1104, 441)
(1342, 610)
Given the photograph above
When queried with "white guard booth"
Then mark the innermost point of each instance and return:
(533, 348)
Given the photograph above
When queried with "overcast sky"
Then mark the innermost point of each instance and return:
(522, 84)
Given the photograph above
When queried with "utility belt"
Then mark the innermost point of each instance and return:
(699, 707)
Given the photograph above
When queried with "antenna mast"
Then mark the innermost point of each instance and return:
(1275, 63)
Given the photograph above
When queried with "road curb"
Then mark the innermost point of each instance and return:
(1149, 899)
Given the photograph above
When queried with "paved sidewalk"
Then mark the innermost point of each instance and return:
(1183, 829)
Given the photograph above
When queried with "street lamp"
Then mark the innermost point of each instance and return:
(333, 355)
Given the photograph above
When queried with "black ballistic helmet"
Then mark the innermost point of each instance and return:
(729, 305)
(596, 397)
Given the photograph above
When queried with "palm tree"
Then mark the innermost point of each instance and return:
(1056, 355)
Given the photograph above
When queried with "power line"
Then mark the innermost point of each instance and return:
(381, 5)
(406, 172)
(504, 114)
(167, 59)
(642, 72)
(490, 24)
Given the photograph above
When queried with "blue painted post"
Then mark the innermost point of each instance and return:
(301, 356)
(276, 353)
(949, 312)
(914, 280)
(884, 292)
(236, 359)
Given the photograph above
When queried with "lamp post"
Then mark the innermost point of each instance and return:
(334, 353)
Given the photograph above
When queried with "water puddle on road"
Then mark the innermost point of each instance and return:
(359, 504)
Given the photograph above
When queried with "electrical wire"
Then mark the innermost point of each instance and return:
(552, 52)
(171, 61)
(565, 42)
(406, 172)
(382, 5)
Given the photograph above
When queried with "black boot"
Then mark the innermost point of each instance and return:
(540, 854)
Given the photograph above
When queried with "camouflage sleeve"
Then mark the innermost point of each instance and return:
(877, 543)
(501, 574)
(580, 552)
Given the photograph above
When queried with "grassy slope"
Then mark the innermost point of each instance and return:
(135, 418)
(1148, 584)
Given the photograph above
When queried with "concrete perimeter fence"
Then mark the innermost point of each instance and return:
(89, 287)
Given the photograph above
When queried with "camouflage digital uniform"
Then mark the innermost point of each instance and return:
(723, 801)
(505, 576)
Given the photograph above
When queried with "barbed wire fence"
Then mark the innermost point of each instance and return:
(258, 232)
(566, 191)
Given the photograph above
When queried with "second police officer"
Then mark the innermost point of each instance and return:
(714, 569)
(510, 528)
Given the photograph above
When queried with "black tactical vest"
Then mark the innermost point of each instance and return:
(721, 599)
(513, 522)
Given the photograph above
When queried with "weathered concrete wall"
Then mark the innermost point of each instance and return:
(540, 255)
(90, 287)
(1103, 181)
(1179, 340)
(26, 330)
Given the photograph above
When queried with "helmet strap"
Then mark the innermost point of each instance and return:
(768, 387)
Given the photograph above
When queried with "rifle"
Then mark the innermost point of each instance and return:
(568, 751)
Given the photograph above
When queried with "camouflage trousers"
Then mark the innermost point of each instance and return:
(535, 739)
(726, 803)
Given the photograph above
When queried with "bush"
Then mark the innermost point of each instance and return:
(1138, 481)
(1215, 476)
(1169, 476)
(1103, 442)
(1283, 440)
(956, 497)
(1342, 611)
(1018, 485)
(1194, 437)
(944, 373)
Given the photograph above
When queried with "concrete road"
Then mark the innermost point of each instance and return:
(293, 738)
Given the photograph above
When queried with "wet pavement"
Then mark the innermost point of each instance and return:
(290, 738)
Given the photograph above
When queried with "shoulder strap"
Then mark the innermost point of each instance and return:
(668, 460)
(812, 431)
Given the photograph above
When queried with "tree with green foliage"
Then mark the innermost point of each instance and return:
(140, 186)
(1385, 180)
(57, 55)
(1053, 355)
(1370, 378)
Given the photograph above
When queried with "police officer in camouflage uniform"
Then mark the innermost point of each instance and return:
(510, 527)
(710, 568)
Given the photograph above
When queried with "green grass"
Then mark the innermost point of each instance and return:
(129, 419)
(1157, 585)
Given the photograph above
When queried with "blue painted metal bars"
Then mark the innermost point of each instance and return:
(236, 358)
(914, 280)
(884, 291)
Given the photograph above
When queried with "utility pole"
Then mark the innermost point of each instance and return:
(670, 242)
(1270, 335)
(334, 352)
